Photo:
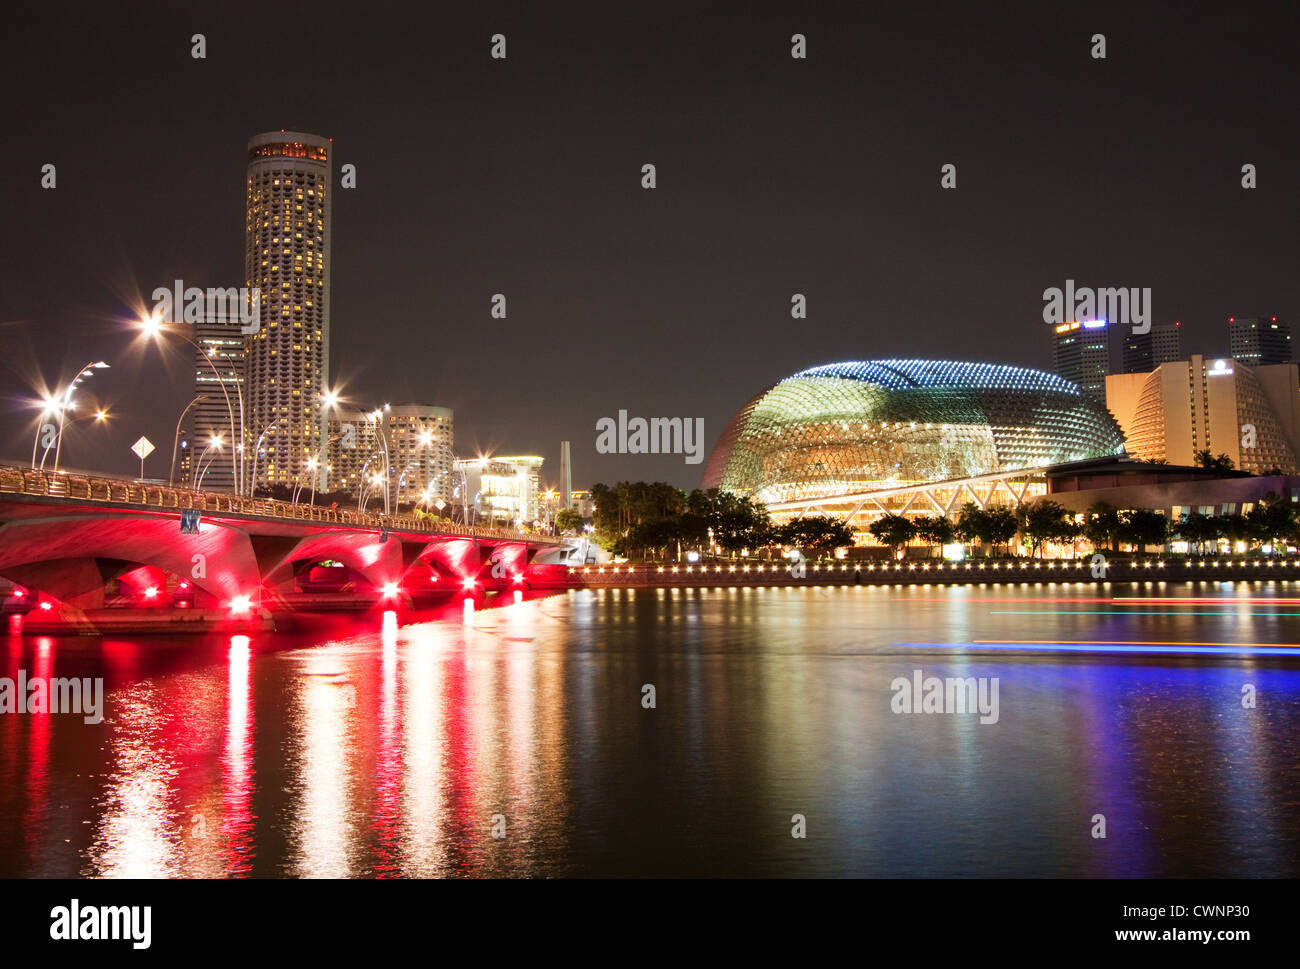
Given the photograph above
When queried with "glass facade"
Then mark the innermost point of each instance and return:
(863, 426)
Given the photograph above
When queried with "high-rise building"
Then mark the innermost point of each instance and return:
(1081, 354)
(355, 455)
(219, 378)
(1143, 352)
(1251, 414)
(420, 441)
(1258, 341)
(416, 446)
(287, 258)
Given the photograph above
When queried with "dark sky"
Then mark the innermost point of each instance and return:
(522, 177)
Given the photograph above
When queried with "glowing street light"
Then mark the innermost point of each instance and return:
(155, 329)
(60, 404)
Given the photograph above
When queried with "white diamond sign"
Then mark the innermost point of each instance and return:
(142, 448)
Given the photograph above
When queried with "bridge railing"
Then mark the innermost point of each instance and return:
(26, 481)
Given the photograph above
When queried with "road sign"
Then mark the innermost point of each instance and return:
(440, 504)
(143, 448)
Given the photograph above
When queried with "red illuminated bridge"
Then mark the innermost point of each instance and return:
(75, 545)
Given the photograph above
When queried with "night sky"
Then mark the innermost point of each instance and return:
(523, 177)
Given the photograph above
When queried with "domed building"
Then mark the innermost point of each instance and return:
(886, 426)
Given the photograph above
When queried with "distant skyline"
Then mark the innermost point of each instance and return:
(522, 176)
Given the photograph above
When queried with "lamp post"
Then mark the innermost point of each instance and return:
(377, 415)
(155, 328)
(176, 438)
(87, 371)
(257, 450)
(199, 470)
(98, 417)
(50, 406)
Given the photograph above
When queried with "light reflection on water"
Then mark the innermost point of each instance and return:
(375, 750)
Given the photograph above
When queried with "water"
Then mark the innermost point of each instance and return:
(369, 750)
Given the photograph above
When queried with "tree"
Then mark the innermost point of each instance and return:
(1101, 526)
(972, 524)
(1197, 529)
(893, 531)
(935, 531)
(1272, 520)
(568, 520)
(1045, 521)
(1000, 526)
(1143, 527)
(819, 534)
(1204, 459)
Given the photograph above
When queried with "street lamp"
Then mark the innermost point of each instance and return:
(154, 329)
(199, 470)
(171, 475)
(64, 404)
(377, 416)
(99, 417)
(50, 405)
(328, 399)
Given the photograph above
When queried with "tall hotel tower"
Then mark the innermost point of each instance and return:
(287, 257)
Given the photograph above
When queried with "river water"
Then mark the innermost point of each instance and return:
(681, 732)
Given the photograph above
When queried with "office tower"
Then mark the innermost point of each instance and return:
(1251, 414)
(1081, 354)
(1143, 352)
(287, 258)
(219, 378)
(1259, 341)
(414, 441)
(420, 442)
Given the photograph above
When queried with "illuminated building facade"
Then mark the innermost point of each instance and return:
(1081, 355)
(219, 376)
(419, 439)
(502, 490)
(1259, 342)
(1143, 352)
(1251, 414)
(287, 258)
(864, 438)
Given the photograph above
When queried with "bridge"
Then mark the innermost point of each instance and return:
(72, 543)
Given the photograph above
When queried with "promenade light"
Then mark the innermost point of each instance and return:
(241, 604)
(390, 589)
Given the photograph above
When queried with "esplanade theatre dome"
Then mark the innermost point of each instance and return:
(862, 426)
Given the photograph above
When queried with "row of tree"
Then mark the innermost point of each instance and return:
(1271, 521)
(653, 520)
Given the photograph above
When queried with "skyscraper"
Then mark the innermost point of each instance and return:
(287, 257)
(416, 445)
(1258, 341)
(1081, 354)
(219, 377)
(1143, 352)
